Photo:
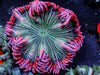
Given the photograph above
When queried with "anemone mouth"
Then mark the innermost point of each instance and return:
(43, 34)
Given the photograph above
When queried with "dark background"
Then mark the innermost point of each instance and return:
(89, 16)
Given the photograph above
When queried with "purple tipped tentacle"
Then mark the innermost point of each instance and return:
(70, 16)
(17, 58)
(37, 6)
(17, 14)
(19, 61)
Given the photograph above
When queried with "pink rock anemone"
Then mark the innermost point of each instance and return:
(43, 37)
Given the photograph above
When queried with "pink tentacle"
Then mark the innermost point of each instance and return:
(41, 53)
(62, 13)
(17, 58)
(66, 22)
(26, 70)
(17, 14)
(10, 22)
(21, 9)
(61, 10)
(30, 66)
(77, 29)
(12, 18)
(45, 60)
(33, 70)
(37, 10)
(50, 66)
(65, 46)
(27, 66)
(30, 12)
(41, 7)
(45, 6)
(27, 7)
(38, 70)
(22, 62)
(23, 65)
(16, 54)
(23, 41)
(19, 61)
(58, 64)
(9, 34)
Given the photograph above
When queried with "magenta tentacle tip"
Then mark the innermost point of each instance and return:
(43, 37)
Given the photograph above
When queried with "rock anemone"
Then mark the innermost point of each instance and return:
(43, 37)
